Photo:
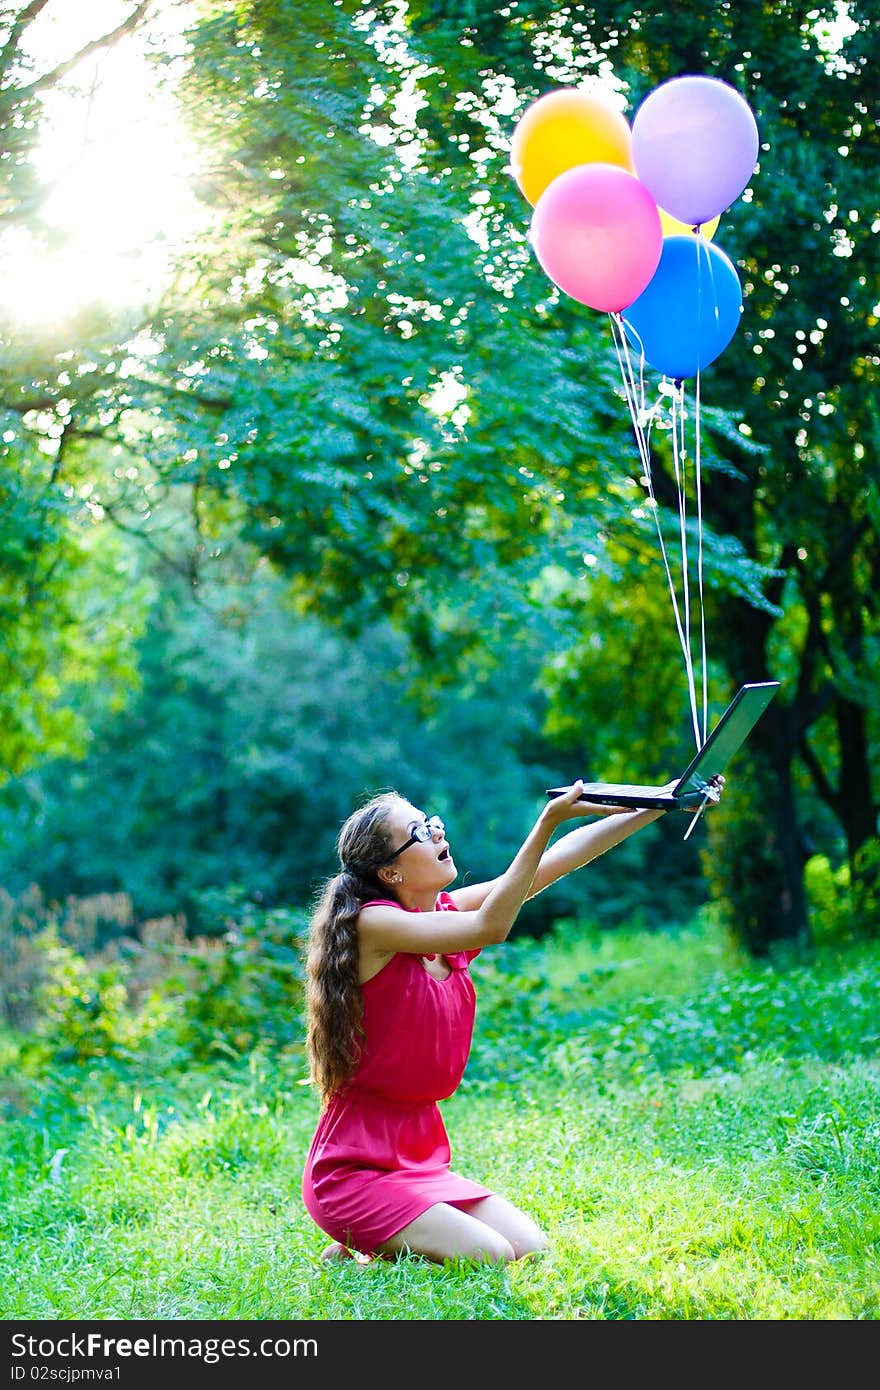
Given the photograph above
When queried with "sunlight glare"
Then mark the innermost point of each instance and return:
(115, 164)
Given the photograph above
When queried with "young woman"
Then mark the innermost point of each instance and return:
(390, 1014)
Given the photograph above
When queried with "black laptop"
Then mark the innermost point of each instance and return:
(731, 731)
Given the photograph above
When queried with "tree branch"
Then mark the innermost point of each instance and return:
(186, 571)
(820, 781)
(127, 26)
(25, 407)
(18, 27)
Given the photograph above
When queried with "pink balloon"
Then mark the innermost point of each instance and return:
(596, 232)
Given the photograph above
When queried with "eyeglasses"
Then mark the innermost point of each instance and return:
(431, 826)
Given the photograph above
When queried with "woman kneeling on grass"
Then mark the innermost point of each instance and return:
(390, 1014)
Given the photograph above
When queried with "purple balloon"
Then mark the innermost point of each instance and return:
(694, 147)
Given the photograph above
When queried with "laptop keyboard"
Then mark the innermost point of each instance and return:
(623, 789)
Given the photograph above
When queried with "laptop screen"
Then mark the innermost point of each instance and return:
(731, 731)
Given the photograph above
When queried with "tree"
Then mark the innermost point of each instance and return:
(66, 599)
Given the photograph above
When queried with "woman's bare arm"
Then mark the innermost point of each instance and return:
(387, 928)
(577, 848)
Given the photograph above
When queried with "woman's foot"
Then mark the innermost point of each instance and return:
(342, 1252)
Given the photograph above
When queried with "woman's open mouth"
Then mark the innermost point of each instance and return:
(444, 854)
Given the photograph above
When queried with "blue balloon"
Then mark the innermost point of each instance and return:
(690, 309)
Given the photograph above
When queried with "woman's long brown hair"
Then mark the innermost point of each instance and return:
(334, 1006)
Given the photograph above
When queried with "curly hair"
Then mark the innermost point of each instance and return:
(334, 1007)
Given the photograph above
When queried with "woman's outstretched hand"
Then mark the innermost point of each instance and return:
(568, 805)
(713, 790)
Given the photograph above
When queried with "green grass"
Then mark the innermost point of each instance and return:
(699, 1135)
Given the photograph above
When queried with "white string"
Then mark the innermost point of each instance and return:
(639, 414)
(699, 493)
(696, 816)
(679, 455)
(707, 259)
(635, 401)
(641, 417)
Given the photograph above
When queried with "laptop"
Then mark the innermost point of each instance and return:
(729, 734)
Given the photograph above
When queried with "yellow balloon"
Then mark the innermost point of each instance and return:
(563, 128)
(671, 226)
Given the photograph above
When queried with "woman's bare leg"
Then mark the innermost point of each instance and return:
(520, 1230)
(490, 1230)
(443, 1233)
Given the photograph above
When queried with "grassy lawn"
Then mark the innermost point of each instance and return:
(699, 1136)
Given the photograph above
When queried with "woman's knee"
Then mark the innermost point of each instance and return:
(494, 1248)
(444, 1233)
(485, 1246)
(533, 1242)
(522, 1233)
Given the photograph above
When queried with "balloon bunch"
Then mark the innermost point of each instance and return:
(623, 218)
(622, 221)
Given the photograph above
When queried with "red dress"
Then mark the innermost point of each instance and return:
(380, 1154)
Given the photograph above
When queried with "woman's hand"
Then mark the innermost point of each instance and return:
(568, 806)
(714, 788)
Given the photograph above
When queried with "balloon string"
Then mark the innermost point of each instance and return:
(638, 414)
(699, 494)
(677, 412)
(625, 363)
(635, 400)
(703, 258)
(700, 732)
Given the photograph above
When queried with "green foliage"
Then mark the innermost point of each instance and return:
(786, 394)
(68, 609)
(369, 402)
(34, 936)
(241, 986)
(754, 850)
(844, 905)
(82, 1008)
(827, 891)
(65, 986)
(794, 477)
(68, 605)
(623, 1019)
(151, 988)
